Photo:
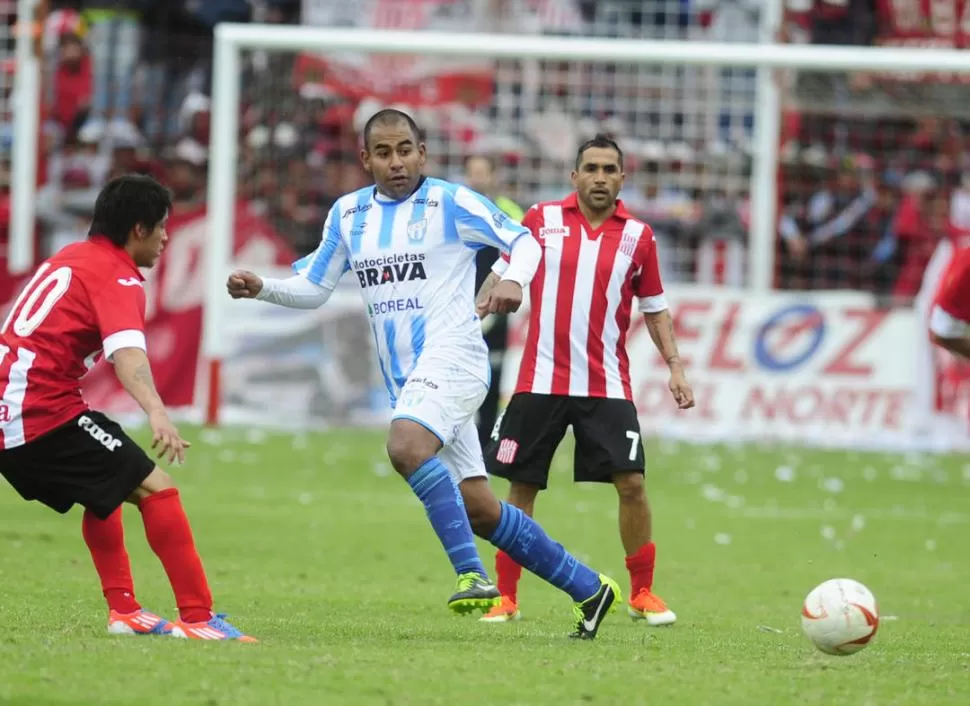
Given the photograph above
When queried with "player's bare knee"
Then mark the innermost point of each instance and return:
(156, 481)
(630, 487)
(482, 507)
(405, 456)
(409, 445)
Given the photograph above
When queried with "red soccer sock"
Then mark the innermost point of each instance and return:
(507, 575)
(640, 566)
(106, 542)
(170, 537)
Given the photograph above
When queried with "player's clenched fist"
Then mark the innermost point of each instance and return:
(504, 298)
(681, 390)
(243, 284)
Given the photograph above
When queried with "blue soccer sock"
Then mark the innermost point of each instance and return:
(446, 511)
(519, 536)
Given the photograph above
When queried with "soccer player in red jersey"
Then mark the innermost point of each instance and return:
(950, 316)
(596, 260)
(84, 303)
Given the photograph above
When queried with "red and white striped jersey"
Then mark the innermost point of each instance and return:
(581, 299)
(950, 316)
(86, 301)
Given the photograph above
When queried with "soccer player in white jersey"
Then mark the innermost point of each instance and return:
(597, 259)
(410, 241)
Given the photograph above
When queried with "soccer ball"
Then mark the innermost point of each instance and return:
(840, 616)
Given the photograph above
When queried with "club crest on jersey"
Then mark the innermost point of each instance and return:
(507, 450)
(554, 233)
(417, 230)
(628, 244)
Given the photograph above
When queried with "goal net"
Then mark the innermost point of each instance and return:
(798, 193)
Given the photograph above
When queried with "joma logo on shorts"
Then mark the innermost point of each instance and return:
(98, 434)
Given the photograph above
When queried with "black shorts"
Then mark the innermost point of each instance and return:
(89, 461)
(607, 434)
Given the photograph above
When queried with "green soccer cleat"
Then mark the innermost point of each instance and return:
(591, 612)
(473, 592)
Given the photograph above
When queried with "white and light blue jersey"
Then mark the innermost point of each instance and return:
(415, 262)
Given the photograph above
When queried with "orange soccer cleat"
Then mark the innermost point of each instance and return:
(139, 622)
(216, 628)
(650, 607)
(505, 612)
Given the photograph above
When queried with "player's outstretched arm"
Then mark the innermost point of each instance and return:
(661, 328)
(296, 292)
(316, 276)
(135, 374)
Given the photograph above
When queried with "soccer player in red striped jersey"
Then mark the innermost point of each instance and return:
(950, 316)
(597, 259)
(85, 303)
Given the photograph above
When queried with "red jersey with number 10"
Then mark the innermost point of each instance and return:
(86, 301)
(581, 299)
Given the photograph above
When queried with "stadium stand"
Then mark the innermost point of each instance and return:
(871, 175)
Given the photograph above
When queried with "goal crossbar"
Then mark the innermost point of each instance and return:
(594, 50)
(232, 39)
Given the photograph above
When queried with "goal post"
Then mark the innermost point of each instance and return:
(769, 60)
(26, 122)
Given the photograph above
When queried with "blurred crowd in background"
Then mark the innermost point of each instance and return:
(873, 169)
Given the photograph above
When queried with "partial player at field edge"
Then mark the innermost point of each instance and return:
(85, 303)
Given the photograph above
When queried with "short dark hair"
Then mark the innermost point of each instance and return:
(128, 201)
(601, 141)
(390, 116)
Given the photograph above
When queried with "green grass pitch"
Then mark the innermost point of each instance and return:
(314, 546)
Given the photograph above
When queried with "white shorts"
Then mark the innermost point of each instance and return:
(443, 398)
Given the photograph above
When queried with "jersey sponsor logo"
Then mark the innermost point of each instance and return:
(553, 233)
(98, 434)
(130, 282)
(427, 203)
(417, 230)
(358, 209)
(392, 269)
(507, 449)
(392, 306)
(427, 382)
(4, 414)
(499, 219)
